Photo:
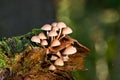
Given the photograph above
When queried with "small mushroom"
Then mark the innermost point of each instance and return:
(66, 31)
(58, 54)
(65, 58)
(53, 57)
(59, 62)
(60, 25)
(42, 36)
(55, 43)
(69, 50)
(52, 67)
(47, 27)
(44, 43)
(35, 39)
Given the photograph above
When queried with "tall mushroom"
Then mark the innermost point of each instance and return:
(47, 27)
(66, 31)
(52, 34)
(60, 25)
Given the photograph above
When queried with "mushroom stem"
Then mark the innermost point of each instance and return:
(62, 37)
(47, 33)
(51, 39)
(59, 33)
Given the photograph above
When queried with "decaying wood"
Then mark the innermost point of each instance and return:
(31, 64)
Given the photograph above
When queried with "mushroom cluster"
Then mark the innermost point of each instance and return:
(51, 38)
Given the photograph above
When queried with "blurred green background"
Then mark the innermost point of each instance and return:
(96, 24)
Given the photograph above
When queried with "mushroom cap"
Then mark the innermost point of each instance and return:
(66, 30)
(35, 39)
(53, 57)
(52, 67)
(58, 54)
(44, 42)
(55, 28)
(59, 62)
(46, 27)
(55, 43)
(54, 24)
(42, 36)
(52, 33)
(65, 58)
(69, 50)
(61, 25)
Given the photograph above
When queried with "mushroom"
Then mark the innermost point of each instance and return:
(69, 50)
(58, 54)
(54, 24)
(60, 25)
(65, 31)
(42, 36)
(52, 34)
(35, 39)
(55, 28)
(44, 43)
(52, 67)
(53, 57)
(59, 62)
(47, 27)
(65, 58)
(55, 43)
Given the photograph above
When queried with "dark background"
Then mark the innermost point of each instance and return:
(20, 16)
